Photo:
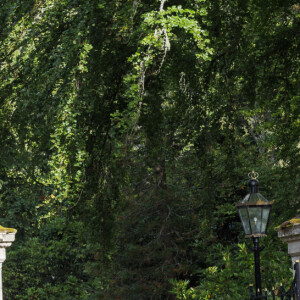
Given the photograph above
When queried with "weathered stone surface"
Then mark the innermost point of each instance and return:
(7, 230)
(291, 235)
(6, 239)
(7, 236)
(289, 223)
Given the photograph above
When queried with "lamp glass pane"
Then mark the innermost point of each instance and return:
(265, 218)
(255, 216)
(245, 219)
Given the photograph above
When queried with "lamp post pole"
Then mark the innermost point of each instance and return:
(257, 250)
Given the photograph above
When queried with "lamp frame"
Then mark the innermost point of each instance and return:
(254, 205)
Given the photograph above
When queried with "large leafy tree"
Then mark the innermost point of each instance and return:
(127, 129)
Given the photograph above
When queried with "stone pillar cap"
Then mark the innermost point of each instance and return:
(7, 230)
(292, 222)
(289, 230)
(7, 236)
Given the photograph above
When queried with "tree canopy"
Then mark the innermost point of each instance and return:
(127, 132)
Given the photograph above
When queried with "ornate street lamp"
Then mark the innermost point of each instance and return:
(254, 211)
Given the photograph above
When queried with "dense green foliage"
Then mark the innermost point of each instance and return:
(127, 132)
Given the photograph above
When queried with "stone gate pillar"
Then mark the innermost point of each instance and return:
(7, 236)
(289, 232)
